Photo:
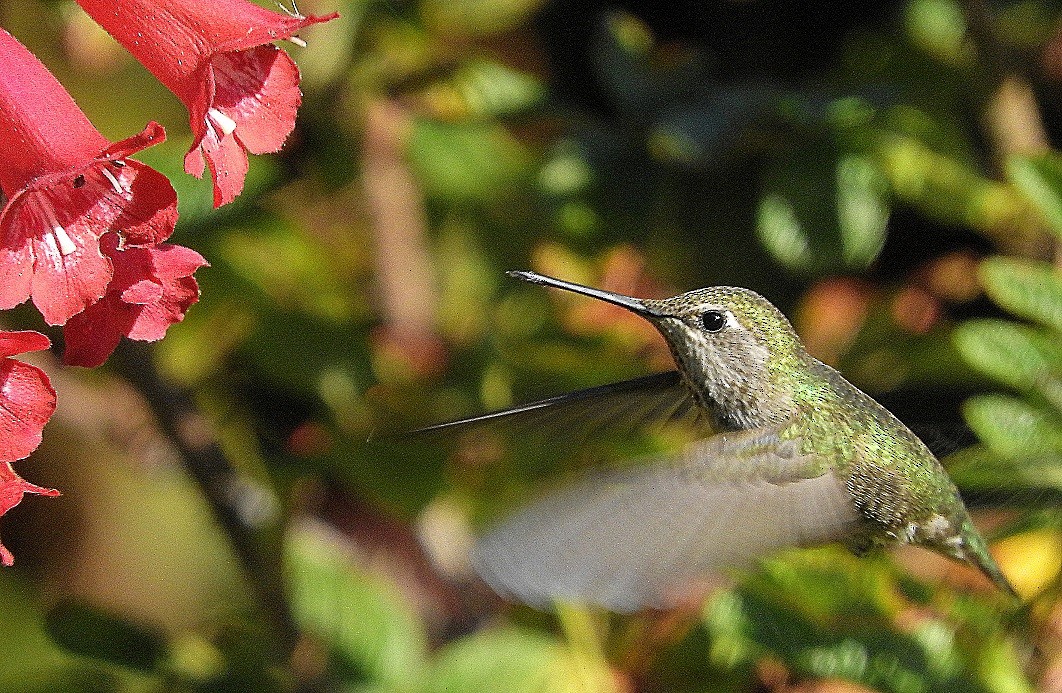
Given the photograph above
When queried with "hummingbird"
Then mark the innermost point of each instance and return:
(793, 455)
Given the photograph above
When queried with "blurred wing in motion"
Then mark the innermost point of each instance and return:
(634, 539)
(620, 407)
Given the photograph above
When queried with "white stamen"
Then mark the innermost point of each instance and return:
(60, 240)
(226, 124)
(49, 240)
(297, 41)
(115, 183)
(293, 12)
(66, 244)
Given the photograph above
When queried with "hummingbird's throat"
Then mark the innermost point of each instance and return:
(731, 382)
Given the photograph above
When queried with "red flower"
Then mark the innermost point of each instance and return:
(152, 289)
(66, 186)
(216, 56)
(27, 401)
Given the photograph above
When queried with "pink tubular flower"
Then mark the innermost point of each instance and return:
(152, 289)
(241, 92)
(27, 401)
(66, 186)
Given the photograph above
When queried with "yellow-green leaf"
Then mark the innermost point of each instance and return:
(1032, 290)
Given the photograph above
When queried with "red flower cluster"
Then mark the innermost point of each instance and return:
(79, 213)
(83, 227)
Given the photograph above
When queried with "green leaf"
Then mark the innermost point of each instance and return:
(862, 209)
(92, 632)
(823, 211)
(362, 619)
(978, 468)
(477, 16)
(489, 89)
(293, 269)
(939, 28)
(1001, 670)
(946, 187)
(1019, 356)
(466, 162)
(827, 614)
(1039, 178)
(1031, 290)
(516, 661)
(1012, 426)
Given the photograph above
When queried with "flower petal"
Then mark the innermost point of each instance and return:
(152, 289)
(142, 293)
(152, 134)
(227, 161)
(69, 274)
(27, 401)
(93, 334)
(147, 213)
(259, 90)
(154, 319)
(21, 342)
(51, 230)
(16, 266)
(66, 186)
(174, 39)
(173, 266)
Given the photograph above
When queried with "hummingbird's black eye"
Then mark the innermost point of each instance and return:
(713, 320)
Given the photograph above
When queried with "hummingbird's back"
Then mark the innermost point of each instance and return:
(896, 483)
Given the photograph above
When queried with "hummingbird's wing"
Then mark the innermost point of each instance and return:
(634, 539)
(643, 402)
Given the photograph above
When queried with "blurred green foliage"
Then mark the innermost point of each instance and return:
(850, 163)
(1021, 431)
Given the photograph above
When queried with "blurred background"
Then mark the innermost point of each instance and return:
(240, 511)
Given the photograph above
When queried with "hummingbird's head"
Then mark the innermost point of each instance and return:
(732, 346)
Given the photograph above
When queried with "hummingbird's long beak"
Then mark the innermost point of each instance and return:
(634, 305)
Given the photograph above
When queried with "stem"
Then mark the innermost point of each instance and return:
(404, 275)
(235, 500)
(583, 629)
(1012, 116)
(649, 634)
